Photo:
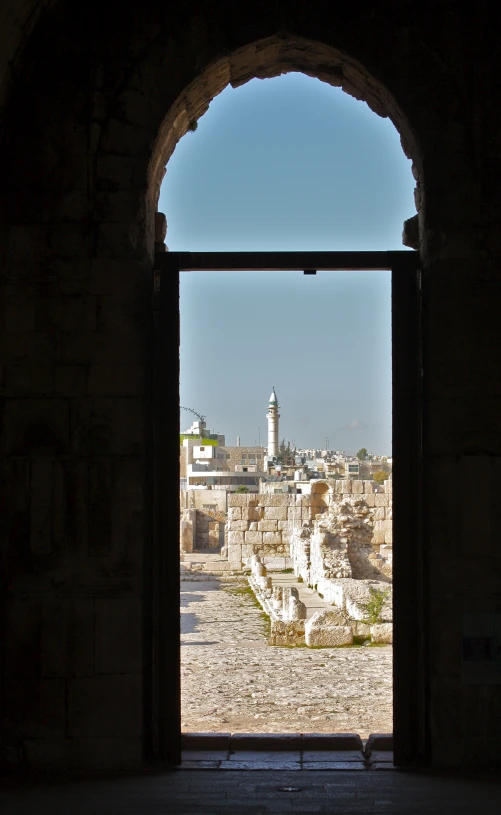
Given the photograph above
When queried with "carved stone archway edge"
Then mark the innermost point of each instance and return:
(264, 59)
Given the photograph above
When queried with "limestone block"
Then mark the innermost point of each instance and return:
(318, 632)
(357, 487)
(285, 526)
(267, 526)
(253, 526)
(382, 632)
(236, 537)
(288, 592)
(294, 514)
(347, 487)
(388, 536)
(273, 500)
(259, 570)
(234, 514)
(277, 593)
(238, 526)
(379, 514)
(303, 500)
(117, 635)
(296, 610)
(274, 538)
(247, 551)
(338, 487)
(306, 513)
(105, 706)
(382, 500)
(287, 633)
(388, 486)
(370, 500)
(378, 538)
(256, 538)
(275, 513)
(368, 487)
(360, 629)
(238, 500)
(252, 513)
(234, 552)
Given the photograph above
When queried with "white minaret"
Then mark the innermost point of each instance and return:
(273, 416)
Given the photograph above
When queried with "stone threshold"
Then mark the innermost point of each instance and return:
(288, 751)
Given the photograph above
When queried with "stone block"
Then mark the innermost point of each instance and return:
(238, 500)
(328, 627)
(377, 538)
(252, 513)
(247, 550)
(346, 487)
(268, 526)
(254, 538)
(234, 514)
(370, 500)
(287, 633)
(238, 526)
(382, 633)
(285, 526)
(113, 379)
(118, 635)
(272, 538)
(388, 536)
(105, 706)
(267, 500)
(294, 514)
(106, 753)
(368, 487)
(379, 514)
(360, 629)
(296, 610)
(36, 707)
(382, 500)
(236, 538)
(357, 487)
(330, 636)
(275, 513)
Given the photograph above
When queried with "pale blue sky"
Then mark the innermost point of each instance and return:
(283, 164)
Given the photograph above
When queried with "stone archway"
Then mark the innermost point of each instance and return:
(85, 148)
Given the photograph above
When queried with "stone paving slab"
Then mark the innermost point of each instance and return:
(268, 792)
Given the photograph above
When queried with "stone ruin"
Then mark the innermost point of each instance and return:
(338, 541)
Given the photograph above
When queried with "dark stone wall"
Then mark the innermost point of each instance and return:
(95, 98)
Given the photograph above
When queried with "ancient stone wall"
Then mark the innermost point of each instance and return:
(343, 540)
(97, 102)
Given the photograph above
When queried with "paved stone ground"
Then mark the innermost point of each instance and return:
(232, 680)
(268, 792)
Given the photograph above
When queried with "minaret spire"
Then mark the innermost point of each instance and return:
(273, 416)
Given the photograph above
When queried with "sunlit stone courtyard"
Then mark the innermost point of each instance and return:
(233, 681)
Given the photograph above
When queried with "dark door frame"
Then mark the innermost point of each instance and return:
(162, 646)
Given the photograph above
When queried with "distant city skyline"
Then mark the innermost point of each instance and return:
(288, 164)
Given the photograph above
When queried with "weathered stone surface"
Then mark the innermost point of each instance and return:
(296, 609)
(382, 632)
(268, 526)
(327, 635)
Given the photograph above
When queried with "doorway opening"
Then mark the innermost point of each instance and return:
(246, 468)
(405, 388)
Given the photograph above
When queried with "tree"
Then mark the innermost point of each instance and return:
(242, 488)
(380, 476)
(285, 453)
(362, 454)
(373, 608)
